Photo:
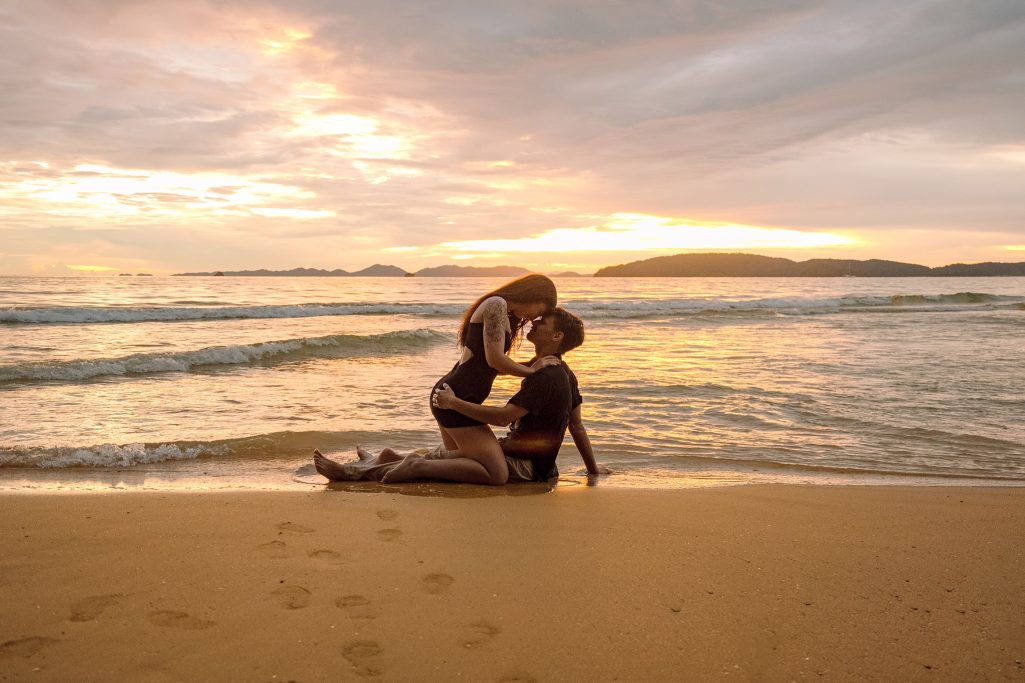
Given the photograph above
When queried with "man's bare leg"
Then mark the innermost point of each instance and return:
(463, 470)
(391, 455)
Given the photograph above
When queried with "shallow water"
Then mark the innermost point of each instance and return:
(223, 382)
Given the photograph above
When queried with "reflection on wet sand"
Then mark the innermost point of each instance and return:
(438, 489)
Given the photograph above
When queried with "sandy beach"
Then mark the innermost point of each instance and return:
(744, 583)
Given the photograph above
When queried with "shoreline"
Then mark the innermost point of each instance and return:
(760, 582)
(298, 475)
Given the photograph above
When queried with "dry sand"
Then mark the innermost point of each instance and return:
(748, 583)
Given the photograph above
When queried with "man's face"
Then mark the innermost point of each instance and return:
(541, 330)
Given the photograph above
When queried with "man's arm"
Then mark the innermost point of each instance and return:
(583, 444)
(499, 417)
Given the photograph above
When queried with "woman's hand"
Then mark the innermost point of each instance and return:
(444, 397)
(544, 362)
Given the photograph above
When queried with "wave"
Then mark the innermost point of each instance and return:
(273, 448)
(595, 309)
(921, 303)
(335, 346)
(130, 314)
(102, 455)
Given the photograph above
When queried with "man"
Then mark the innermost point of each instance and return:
(547, 403)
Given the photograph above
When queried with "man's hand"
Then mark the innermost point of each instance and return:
(444, 397)
(544, 362)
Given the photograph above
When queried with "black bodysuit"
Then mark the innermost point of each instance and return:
(470, 381)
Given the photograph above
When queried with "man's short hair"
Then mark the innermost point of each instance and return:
(571, 326)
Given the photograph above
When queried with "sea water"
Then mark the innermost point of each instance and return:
(221, 382)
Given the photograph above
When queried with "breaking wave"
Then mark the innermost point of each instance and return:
(608, 308)
(922, 303)
(335, 346)
(131, 314)
(102, 455)
(272, 449)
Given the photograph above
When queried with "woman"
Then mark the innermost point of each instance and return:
(485, 336)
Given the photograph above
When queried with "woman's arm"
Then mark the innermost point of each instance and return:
(495, 316)
(492, 415)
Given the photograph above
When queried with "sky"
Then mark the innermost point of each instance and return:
(163, 137)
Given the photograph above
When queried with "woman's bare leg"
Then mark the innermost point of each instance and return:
(447, 440)
(483, 463)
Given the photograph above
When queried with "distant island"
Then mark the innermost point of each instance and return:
(376, 270)
(750, 265)
(472, 271)
(680, 265)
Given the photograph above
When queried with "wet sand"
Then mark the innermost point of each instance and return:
(746, 583)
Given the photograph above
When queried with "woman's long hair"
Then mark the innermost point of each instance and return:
(528, 289)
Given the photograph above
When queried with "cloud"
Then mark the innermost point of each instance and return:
(411, 125)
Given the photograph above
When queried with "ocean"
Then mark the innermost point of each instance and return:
(231, 382)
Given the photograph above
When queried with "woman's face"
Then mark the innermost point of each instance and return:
(528, 311)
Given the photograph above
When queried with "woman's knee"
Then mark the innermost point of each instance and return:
(481, 445)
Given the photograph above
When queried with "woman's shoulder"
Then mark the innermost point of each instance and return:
(491, 307)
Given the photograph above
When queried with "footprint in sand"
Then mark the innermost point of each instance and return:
(480, 632)
(25, 647)
(326, 555)
(275, 550)
(173, 619)
(294, 528)
(290, 596)
(436, 584)
(363, 654)
(389, 534)
(91, 607)
(387, 515)
(357, 608)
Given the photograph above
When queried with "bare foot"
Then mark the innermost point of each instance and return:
(336, 471)
(405, 471)
(363, 453)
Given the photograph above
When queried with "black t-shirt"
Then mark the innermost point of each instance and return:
(548, 396)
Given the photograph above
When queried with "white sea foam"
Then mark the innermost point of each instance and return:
(607, 308)
(619, 308)
(240, 354)
(102, 455)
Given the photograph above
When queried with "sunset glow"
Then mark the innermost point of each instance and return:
(333, 138)
(637, 232)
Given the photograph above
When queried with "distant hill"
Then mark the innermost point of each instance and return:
(472, 271)
(376, 270)
(679, 265)
(980, 269)
(751, 265)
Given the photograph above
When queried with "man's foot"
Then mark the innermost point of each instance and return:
(363, 453)
(336, 471)
(406, 470)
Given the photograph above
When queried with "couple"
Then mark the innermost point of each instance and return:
(547, 403)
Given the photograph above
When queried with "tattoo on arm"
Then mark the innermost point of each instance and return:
(496, 320)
